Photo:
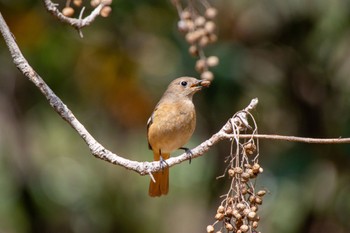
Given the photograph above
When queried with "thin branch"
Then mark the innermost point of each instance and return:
(297, 139)
(76, 23)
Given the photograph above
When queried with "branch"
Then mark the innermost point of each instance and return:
(297, 139)
(76, 23)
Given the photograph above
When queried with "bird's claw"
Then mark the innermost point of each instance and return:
(162, 163)
(188, 152)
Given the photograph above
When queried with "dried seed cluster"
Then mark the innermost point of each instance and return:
(238, 211)
(199, 29)
(70, 7)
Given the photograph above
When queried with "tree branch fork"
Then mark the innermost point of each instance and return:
(227, 132)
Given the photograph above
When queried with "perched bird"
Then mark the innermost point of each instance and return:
(170, 127)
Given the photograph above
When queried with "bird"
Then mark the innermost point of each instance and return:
(170, 127)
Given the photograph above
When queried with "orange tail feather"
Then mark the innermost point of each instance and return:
(161, 184)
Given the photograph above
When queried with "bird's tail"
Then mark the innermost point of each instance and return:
(161, 184)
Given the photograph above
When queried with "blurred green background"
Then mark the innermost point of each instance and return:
(293, 55)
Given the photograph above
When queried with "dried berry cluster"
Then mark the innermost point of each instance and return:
(199, 29)
(238, 211)
(69, 11)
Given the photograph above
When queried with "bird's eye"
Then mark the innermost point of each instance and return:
(183, 83)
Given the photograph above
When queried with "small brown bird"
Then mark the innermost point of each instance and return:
(171, 125)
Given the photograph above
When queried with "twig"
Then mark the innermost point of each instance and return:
(78, 23)
(297, 139)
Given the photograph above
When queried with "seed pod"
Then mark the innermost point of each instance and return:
(258, 200)
(231, 172)
(193, 50)
(254, 208)
(244, 228)
(252, 199)
(182, 26)
(251, 215)
(221, 209)
(240, 206)
(255, 224)
(186, 14)
(229, 227)
(95, 3)
(256, 167)
(68, 11)
(210, 229)
(238, 170)
(77, 2)
(210, 27)
(212, 61)
(210, 12)
(105, 11)
(246, 211)
(199, 21)
(219, 216)
(207, 75)
(204, 41)
(200, 65)
(212, 38)
(229, 211)
(245, 175)
(107, 2)
(261, 193)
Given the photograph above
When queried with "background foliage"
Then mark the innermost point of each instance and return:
(293, 55)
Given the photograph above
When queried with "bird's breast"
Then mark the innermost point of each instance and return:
(173, 125)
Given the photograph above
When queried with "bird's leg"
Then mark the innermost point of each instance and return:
(188, 152)
(162, 162)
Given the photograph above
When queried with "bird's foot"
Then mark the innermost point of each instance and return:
(188, 152)
(162, 163)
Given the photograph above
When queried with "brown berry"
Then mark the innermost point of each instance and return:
(68, 11)
(210, 229)
(185, 14)
(251, 215)
(95, 3)
(210, 26)
(219, 216)
(200, 65)
(255, 224)
(244, 228)
(238, 170)
(212, 61)
(221, 209)
(77, 2)
(210, 12)
(105, 11)
(228, 226)
(207, 75)
(193, 50)
(258, 200)
(261, 193)
(199, 21)
(256, 168)
(107, 2)
(231, 172)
